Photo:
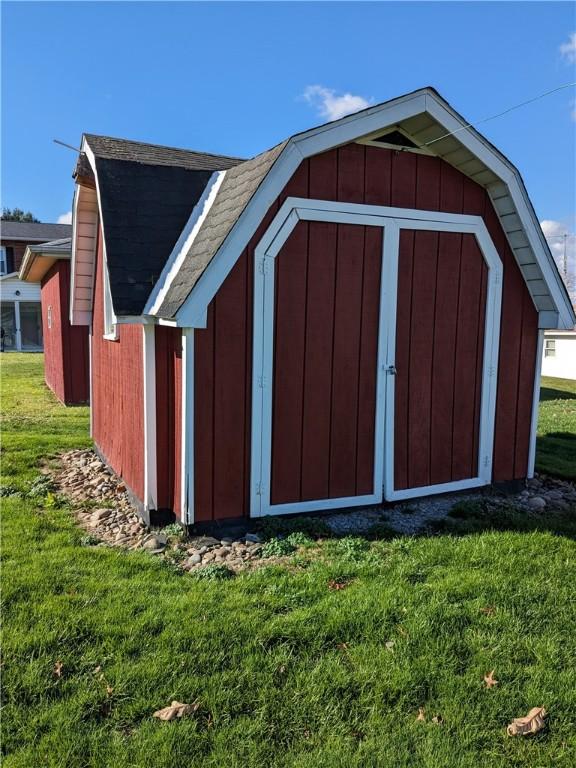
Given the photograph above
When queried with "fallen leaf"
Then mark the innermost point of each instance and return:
(488, 610)
(335, 585)
(97, 670)
(176, 709)
(437, 720)
(532, 723)
(389, 645)
(342, 646)
(421, 715)
(109, 690)
(490, 680)
(281, 669)
(58, 669)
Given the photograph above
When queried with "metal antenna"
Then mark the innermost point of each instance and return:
(68, 146)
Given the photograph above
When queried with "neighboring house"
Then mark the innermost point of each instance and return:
(559, 354)
(319, 326)
(20, 301)
(66, 368)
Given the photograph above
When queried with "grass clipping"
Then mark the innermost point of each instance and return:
(177, 709)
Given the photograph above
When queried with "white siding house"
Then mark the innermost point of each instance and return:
(559, 354)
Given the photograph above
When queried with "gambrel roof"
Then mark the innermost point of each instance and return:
(200, 262)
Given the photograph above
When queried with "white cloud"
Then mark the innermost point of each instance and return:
(562, 243)
(331, 105)
(568, 50)
(65, 218)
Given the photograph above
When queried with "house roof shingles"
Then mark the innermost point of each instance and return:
(147, 193)
(33, 232)
(155, 154)
(239, 185)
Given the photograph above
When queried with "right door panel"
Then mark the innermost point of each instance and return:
(441, 310)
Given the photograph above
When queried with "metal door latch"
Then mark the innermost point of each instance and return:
(391, 370)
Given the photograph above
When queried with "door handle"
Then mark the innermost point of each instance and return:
(391, 370)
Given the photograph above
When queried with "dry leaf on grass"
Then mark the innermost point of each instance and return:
(389, 645)
(176, 709)
(58, 669)
(532, 723)
(488, 610)
(437, 720)
(490, 680)
(336, 585)
(421, 715)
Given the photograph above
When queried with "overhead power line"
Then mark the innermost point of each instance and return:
(500, 114)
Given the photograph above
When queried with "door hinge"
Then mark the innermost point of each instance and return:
(259, 489)
(262, 382)
(486, 461)
(263, 266)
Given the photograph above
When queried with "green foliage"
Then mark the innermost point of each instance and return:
(17, 214)
(89, 541)
(173, 530)
(381, 531)
(9, 490)
(556, 437)
(277, 548)
(212, 572)
(40, 487)
(300, 539)
(271, 526)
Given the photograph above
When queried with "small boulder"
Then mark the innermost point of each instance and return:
(252, 538)
(154, 544)
(194, 560)
(537, 503)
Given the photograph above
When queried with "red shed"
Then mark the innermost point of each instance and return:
(321, 326)
(66, 367)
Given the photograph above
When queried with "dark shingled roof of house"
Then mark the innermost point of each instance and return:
(147, 194)
(31, 232)
(156, 154)
(239, 185)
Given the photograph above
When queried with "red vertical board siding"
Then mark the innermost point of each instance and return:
(118, 393)
(223, 376)
(471, 314)
(441, 276)
(420, 371)
(318, 360)
(289, 350)
(345, 362)
(369, 331)
(443, 364)
(168, 346)
(326, 330)
(65, 346)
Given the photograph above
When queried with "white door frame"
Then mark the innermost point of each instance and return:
(392, 220)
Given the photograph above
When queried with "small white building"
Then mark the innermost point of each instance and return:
(559, 354)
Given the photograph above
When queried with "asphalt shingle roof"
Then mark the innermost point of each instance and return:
(239, 185)
(33, 232)
(155, 154)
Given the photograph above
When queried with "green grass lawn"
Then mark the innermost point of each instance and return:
(288, 672)
(556, 439)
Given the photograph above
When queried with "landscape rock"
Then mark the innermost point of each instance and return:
(537, 502)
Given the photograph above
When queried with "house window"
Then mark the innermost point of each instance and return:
(50, 316)
(550, 348)
(3, 262)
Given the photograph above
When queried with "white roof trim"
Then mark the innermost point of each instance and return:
(184, 243)
(351, 128)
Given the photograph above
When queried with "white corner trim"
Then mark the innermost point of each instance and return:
(149, 373)
(535, 406)
(392, 220)
(184, 243)
(187, 452)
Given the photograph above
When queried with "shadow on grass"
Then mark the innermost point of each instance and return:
(556, 454)
(479, 516)
(548, 393)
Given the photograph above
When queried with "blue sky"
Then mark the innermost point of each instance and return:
(231, 78)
